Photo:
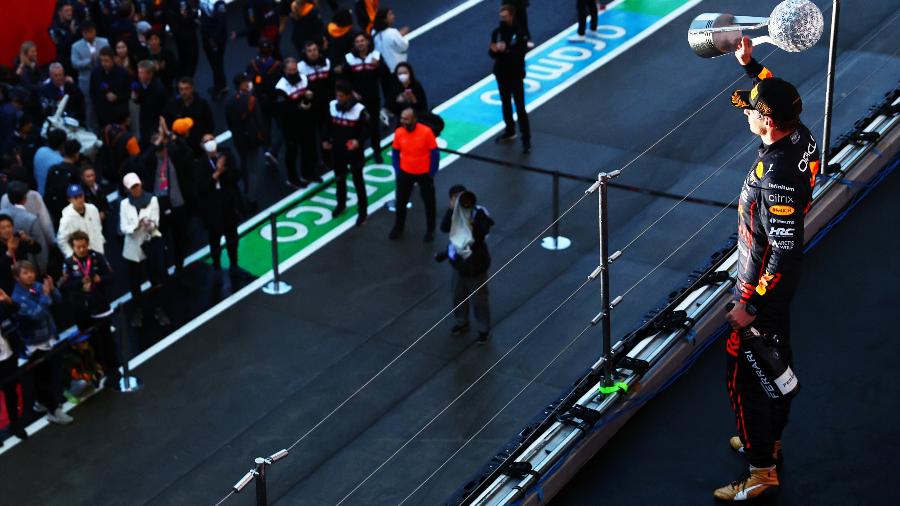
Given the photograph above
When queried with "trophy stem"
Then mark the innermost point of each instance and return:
(762, 39)
(829, 86)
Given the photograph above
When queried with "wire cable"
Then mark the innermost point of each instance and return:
(472, 438)
(472, 385)
(227, 497)
(415, 342)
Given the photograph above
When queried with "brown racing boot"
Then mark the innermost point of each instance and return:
(760, 480)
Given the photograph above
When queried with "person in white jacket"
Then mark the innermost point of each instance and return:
(143, 245)
(390, 41)
(79, 215)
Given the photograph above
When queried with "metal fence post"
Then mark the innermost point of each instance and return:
(603, 219)
(555, 242)
(276, 286)
(261, 499)
(829, 85)
(127, 383)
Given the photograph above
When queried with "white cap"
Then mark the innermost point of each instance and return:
(130, 180)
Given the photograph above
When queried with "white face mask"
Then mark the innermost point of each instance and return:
(250, 87)
(210, 146)
(404, 78)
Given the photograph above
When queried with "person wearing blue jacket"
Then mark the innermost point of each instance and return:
(39, 334)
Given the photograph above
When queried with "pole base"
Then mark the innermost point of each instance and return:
(392, 205)
(555, 243)
(128, 384)
(276, 288)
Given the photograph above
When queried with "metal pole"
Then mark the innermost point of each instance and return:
(261, 499)
(555, 242)
(127, 383)
(276, 286)
(829, 86)
(603, 178)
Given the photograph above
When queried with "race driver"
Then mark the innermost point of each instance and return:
(775, 196)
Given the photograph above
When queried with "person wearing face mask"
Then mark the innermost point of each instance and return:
(219, 201)
(265, 71)
(244, 117)
(406, 91)
(415, 157)
(294, 101)
(366, 71)
(509, 43)
(348, 120)
(389, 41)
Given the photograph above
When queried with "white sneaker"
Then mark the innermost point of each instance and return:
(59, 416)
(577, 38)
(39, 408)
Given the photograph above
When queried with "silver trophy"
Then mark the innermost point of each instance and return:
(794, 25)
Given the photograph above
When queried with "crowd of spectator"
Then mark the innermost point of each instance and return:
(123, 73)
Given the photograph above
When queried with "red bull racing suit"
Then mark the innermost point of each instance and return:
(775, 197)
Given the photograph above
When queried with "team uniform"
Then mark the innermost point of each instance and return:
(348, 123)
(776, 194)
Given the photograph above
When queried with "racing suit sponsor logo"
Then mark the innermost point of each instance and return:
(785, 245)
(781, 232)
(779, 199)
(763, 379)
(781, 210)
(776, 221)
(776, 186)
(804, 162)
(795, 137)
(759, 170)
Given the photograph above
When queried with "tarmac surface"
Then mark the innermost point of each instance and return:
(266, 371)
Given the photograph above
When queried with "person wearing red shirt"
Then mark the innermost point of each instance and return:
(415, 157)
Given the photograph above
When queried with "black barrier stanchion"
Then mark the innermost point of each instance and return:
(261, 499)
(555, 242)
(276, 286)
(258, 473)
(127, 383)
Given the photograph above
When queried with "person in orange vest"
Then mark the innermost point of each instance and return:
(415, 157)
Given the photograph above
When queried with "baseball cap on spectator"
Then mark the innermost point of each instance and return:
(182, 126)
(74, 190)
(130, 180)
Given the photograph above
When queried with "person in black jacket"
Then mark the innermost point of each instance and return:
(294, 101)
(214, 33)
(59, 85)
(219, 201)
(164, 58)
(183, 21)
(190, 105)
(339, 37)
(93, 193)
(64, 32)
(468, 225)
(265, 71)
(59, 177)
(308, 24)
(509, 43)
(86, 274)
(243, 113)
(15, 245)
(317, 69)
(345, 137)
(406, 91)
(150, 96)
(167, 174)
(109, 89)
(366, 71)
